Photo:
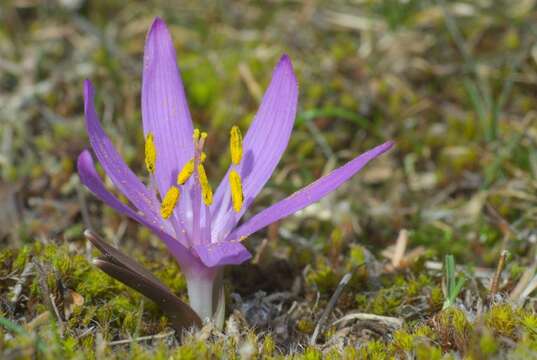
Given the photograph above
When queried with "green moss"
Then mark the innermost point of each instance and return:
(192, 351)
(436, 300)
(402, 342)
(97, 285)
(428, 352)
(425, 332)
(129, 325)
(356, 265)
(459, 322)
(516, 271)
(350, 352)
(268, 345)
(170, 275)
(523, 351)
(488, 344)
(74, 232)
(306, 326)
(453, 329)
(6, 256)
(415, 286)
(373, 350)
(356, 255)
(312, 353)
(361, 301)
(23, 256)
(385, 302)
(70, 347)
(529, 322)
(502, 320)
(331, 331)
(334, 246)
(324, 277)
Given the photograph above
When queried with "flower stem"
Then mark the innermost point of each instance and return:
(206, 296)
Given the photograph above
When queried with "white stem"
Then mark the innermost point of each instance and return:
(206, 297)
(219, 302)
(200, 295)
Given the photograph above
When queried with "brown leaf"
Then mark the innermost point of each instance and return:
(129, 272)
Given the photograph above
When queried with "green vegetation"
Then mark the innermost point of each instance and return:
(452, 284)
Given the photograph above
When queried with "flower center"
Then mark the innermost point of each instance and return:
(194, 167)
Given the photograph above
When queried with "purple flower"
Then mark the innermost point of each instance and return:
(201, 229)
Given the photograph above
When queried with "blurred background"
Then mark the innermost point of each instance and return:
(454, 83)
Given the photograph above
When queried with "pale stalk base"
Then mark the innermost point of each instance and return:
(207, 298)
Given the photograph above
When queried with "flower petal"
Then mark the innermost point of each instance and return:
(90, 178)
(263, 145)
(165, 111)
(114, 166)
(308, 195)
(223, 253)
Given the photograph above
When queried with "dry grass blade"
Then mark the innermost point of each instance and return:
(400, 248)
(141, 338)
(525, 285)
(48, 295)
(496, 279)
(330, 307)
(17, 289)
(398, 255)
(388, 321)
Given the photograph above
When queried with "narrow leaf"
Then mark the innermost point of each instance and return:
(124, 269)
(115, 256)
(181, 315)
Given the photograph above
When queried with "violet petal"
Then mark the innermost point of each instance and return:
(223, 253)
(263, 144)
(165, 110)
(307, 195)
(114, 166)
(90, 178)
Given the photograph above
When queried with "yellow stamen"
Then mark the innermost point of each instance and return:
(196, 135)
(150, 153)
(235, 184)
(169, 202)
(235, 145)
(206, 191)
(187, 170)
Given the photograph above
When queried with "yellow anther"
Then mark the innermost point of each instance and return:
(186, 172)
(235, 145)
(196, 135)
(206, 191)
(150, 153)
(235, 184)
(203, 135)
(169, 202)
